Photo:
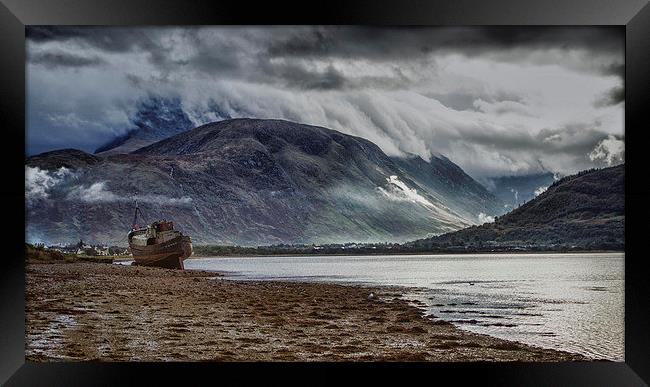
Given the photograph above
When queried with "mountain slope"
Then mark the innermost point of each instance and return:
(583, 211)
(66, 158)
(155, 119)
(239, 181)
(460, 192)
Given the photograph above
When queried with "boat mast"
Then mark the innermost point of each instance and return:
(135, 216)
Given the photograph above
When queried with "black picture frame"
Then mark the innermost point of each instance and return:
(16, 14)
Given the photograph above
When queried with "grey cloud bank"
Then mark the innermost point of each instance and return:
(496, 101)
(42, 184)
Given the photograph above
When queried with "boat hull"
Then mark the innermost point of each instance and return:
(169, 254)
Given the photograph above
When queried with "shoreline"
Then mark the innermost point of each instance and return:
(194, 256)
(94, 311)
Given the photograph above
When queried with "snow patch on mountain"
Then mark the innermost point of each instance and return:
(397, 190)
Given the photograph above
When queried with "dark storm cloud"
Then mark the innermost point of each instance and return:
(62, 59)
(617, 69)
(297, 75)
(564, 149)
(578, 139)
(382, 42)
(406, 42)
(114, 40)
(117, 39)
(250, 58)
(456, 101)
(478, 95)
(612, 97)
(587, 143)
(49, 33)
(305, 79)
(602, 39)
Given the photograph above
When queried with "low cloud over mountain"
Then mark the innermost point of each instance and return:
(252, 182)
(496, 101)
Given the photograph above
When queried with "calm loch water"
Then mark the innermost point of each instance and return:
(572, 302)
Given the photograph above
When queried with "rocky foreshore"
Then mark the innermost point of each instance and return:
(91, 311)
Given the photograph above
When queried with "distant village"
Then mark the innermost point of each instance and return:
(82, 248)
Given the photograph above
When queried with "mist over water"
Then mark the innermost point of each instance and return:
(570, 302)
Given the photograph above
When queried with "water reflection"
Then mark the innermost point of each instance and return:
(572, 302)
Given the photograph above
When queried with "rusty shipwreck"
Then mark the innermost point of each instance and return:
(158, 244)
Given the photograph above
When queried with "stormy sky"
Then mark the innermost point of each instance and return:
(495, 100)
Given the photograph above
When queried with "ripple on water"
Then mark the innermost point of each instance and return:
(571, 302)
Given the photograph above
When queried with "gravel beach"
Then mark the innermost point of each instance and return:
(94, 311)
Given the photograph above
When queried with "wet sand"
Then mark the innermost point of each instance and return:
(93, 311)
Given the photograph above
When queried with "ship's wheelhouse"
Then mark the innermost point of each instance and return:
(157, 232)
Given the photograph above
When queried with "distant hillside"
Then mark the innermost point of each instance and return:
(252, 182)
(516, 190)
(580, 211)
(66, 158)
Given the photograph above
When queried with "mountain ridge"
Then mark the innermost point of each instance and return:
(585, 210)
(156, 118)
(249, 181)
